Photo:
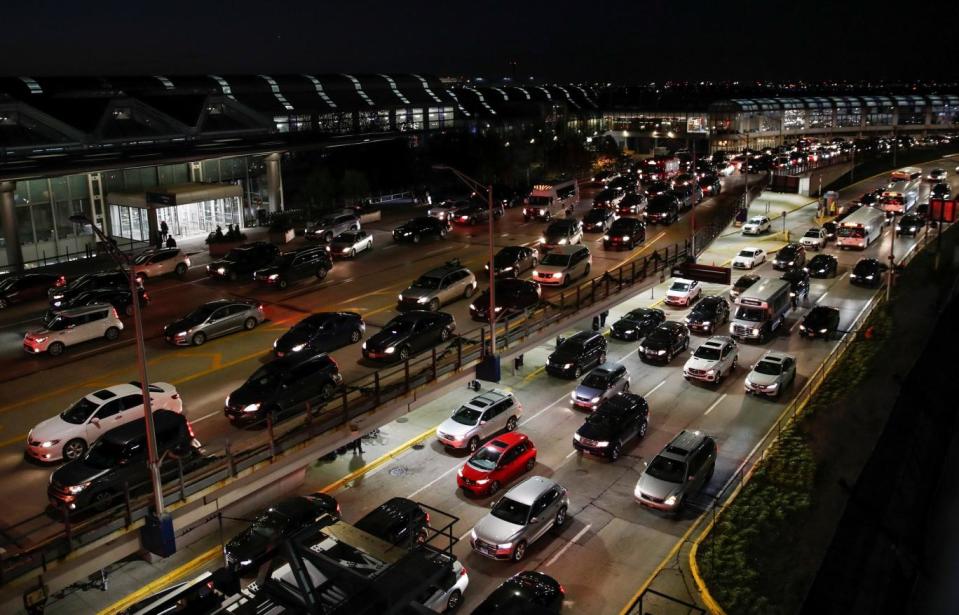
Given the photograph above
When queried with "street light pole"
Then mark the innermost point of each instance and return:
(892, 259)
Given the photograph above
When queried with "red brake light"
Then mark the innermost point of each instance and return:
(146, 297)
(115, 313)
(562, 590)
(463, 571)
(189, 428)
(61, 281)
(427, 518)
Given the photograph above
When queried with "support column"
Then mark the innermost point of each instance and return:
(8, 218)
(274, 182)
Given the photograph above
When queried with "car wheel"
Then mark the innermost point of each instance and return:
(586, 272)
(566, 281)
(369, 244)
(642, 429)
(577, 372)
(453, 601)
(535, 262)
(112, 333)
(614, 452)
(199, 338)
(326, 391)
(469, 291)
(519, 552)
(511, 424)
(321, 273)
(404, 353)
(282, 283)
(249, 324)
(74, 449)
(55, 349)
(494, 487)
(433, 305)
(181, 270)
(473, 444)
(444, 334)
(560, 517)
(443, 234)
(352, 253)
(416, 238)
(531, 464)
(355, 336)
(719, 378)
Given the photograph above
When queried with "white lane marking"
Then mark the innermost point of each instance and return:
(431, 483)
(571, 453)
(822, 297)
(715, 403)
(843, 276)
(204, 417)
(389, 247)
(653, 390)
(528, 419)
(795, 324)
(559, 553)
(465, 534)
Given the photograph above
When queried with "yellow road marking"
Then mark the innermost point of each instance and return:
(210, 370)
(21, 438)
(536, 372)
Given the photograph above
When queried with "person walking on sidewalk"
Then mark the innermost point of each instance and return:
(164, 229)
(357, 446)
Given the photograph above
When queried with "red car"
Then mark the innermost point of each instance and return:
(498, 462)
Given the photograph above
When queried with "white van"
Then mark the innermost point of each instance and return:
(73, 326)
(760, 310)
(552, 200)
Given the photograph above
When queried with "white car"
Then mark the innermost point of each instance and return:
(712, 361)
(749, 258)
(814, 239)
(756, 225)
(446, 595)
(444, 210)
(683, 292)
(480, 418)
(562, 265)
(69, 434)
(73, 326)
(161, 262)
(771, 374)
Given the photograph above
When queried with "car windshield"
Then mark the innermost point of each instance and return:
(426, 281)
(788, 252)
(813, 232)
(557, 260)
(596, 381)
(235, 255)
(680, 286)
(755, 220)
(506, 255)
(265, 376)
(747, 253)
(345, 238)
(466, 416)
(269, 524)
(199, 315)
(707, 352)
(511, 511)
(852, 231)
(284, 259)
(398, 327)
(750, 314)
(572, 348)
(139, 260)
(103, 455)
(486, 458)
(769, 368)
(539, 200)
(79, 412)
(666, 469)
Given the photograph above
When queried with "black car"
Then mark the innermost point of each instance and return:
(512, 295)
(408, 334)
(513, 260)
(119, 298)
(822, 266)
(321, 332)
(605, 199)
(789, 256)
(662, 209)
(940, 191)
(744, 282)
(687, 195)
(525, 593)
(708, 314)
(26, 287)
(868, 272)
(398, 521)
(87, 281)
(909, 224)
(281, 388)
(632, 204)
(242, 261)
(563, 232)
(710, 185)
(658, 188)
(623, 183)
(821, 321)
(576, 354)
(665, 342)
(471, 213)
(625, 233)
(830, 228)
(260, 540)
(291, 266)
(418, 228)
(798, 279)
(618, 420)
(637, 324)
(598, 219)
(96, 481)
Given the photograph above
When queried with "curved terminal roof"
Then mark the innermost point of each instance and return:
(829, 103)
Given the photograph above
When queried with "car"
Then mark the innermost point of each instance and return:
(68, 435)
(73, 326)
(921, 210)
(283, 387)
(940, 191)
(772, 373)
(444, 210)
(292, 266)
(662, 209)
(437, 287)
(445, 594)
(909, 224)
(749, 257)
(607, 199)
(657, 188)
(243, 261)
(351, 243)
(814, 239)
(830, 228)
(625, 233)
(937, 175)
(408, 334)
(710, 185)
(321, 332)
(678, 472)
(262, 538)
(512, 295)
(665, 342)
(683, 292)
(756, 225)
(214, 319)
(798, 279)
(713, 360)
(511, 261)
(744, 282)
(21, 288)
(598, 220)
(120, 298)
(118, 460)
(471, 213)
(632, 204)
(416, 229)
(497, 463)
(563, 264)
(822, 266)
(601, 383)
(57, 295)
(604, 176)
(622, 184)
(636, 324)
(789, 256)
(821, 321)
(565, 232)
(868, 272)
(527, 592)
(480, 418)
(520, 518)
(574, 354)
(618, 420)
(328, 227)
(155, 263)
(687, 195)
(708, 314)
(398, 521)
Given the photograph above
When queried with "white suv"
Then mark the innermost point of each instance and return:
(683, 292)
(749, 258)
(563, 264)
(480, 418)
(756, 225)
(712, 361)
(814, 239)
(73, 326)
(161, 262)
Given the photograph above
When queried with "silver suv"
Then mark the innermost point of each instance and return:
(712, 361)
(438, 287)
(483, 416)
(519, 518)
(677, 472)
(600, 384)
(161, 262)
(332, 225)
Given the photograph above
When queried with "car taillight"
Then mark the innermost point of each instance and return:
(427, 518)
(189, 428)
(61, 281)
(562, 590)
(338, 509)
(463, 571)
(260, 307)
(115, 313)
(146, 297)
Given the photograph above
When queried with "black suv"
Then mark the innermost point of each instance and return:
(510, 261)
(618, 420)
(710, 185)
(798, 281)
(868, 272)
(822, 266)
(281, 387)
(604, 199)
(398, 521)
(88, 281)
(625, 233)
(96, 481)
(242, 261)
(708, 314)
(417, 228)
(291, 266)
(632, 204)
(513, 296)
(637, 323)
(821, 321)
(119, 298)
(662, 209)
(655, 189)
(26, 287)
(576, 354)
(665, 342)
(321, 332)
(408, 334)
(789, 256)
(909, 224)
(528, 592)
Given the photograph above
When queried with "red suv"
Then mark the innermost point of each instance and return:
(498, 462)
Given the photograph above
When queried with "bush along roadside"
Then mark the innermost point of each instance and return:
(748, 560)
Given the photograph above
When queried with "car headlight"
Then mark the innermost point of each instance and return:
(542, 240)
(561, 242)
(473, 534)
(625, 237)
(498, 309)
(594, 400)
(670, 500)
(641, 347)
(630, 332)
(535, 273)
(221, 270)
(246, 562)
(345, 251)
(482, 481)
(755, 331)
(505, 545)
(423, 300)
(298, 347)
(660, 352)
(823, 330)
(75, 489)
(542, 212)
(181, 334)
(273, 276)
(49, 443)
(802, 327)
(390, 350)
(40, 340)
(605, 237)
(870, 276)
(707, 323)
(602, 443)
(577, 437)
(505, 269)
(710, 372)
(251, 407)
(567, 365)
(363, 346)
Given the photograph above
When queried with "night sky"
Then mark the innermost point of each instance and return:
(628, 41)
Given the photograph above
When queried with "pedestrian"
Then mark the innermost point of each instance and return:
(164, 229)
(795, 301)
(358, 446)
(602, 318)
(170, 241)
(595, 323)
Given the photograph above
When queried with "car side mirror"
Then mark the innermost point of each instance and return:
(533, 520)
(482, 422)
(492, 504)
(71, 326)
(95, 421)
